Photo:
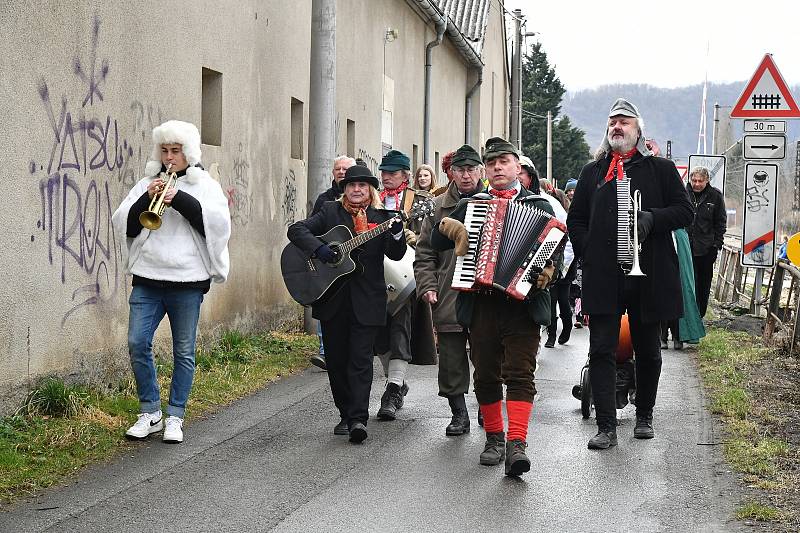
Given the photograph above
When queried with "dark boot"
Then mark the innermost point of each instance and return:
(391, 401)
(460, 422)
(517, 463)
(603, 440)
(551, 339)
(566, 329)
(495, 449)
(644, 427)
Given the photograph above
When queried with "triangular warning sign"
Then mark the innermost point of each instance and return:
(766, 95)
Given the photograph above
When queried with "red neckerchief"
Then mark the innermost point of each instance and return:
(394, 192)
(616, 164)
(359, 214)
(508, 194)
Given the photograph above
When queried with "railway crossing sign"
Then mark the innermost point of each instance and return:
(716, 168)
(758, 227)
(764, 147)
(766, 95)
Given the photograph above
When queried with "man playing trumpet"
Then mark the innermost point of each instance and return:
(599, 230)
(173, 265)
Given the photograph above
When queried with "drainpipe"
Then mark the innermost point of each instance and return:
(441, 26)
(468, 106)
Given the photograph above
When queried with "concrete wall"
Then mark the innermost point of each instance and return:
(83, 85)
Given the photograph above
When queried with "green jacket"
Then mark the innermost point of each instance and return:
(538, 301)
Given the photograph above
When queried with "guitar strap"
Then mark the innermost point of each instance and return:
(408, 200)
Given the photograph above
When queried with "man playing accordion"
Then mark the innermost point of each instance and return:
(504, 332)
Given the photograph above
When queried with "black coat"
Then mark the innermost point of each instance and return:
(367, 291)
(330, 195)
(592, 223)
(707, 230)
(537, 305)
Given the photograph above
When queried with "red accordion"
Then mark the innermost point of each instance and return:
(509, 243)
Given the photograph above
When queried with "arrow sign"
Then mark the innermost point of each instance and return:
(764, 147)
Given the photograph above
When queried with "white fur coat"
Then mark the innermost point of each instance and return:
(176, 251)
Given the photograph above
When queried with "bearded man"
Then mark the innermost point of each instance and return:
(623, 159)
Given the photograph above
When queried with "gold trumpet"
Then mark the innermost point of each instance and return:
(151, 219)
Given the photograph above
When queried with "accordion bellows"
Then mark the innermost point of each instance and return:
(509, 243)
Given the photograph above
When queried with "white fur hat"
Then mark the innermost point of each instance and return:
(174, 131)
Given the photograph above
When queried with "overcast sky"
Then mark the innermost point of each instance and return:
(592, 43)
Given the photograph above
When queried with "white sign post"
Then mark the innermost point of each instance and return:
(715, 165)
(760, 203)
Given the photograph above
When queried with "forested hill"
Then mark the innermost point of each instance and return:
(669, 114)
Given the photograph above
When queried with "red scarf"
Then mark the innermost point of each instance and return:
(616, 164)
(508, 194)
(396, 193)
(359, 214)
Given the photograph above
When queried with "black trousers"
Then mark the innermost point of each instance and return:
(703, 272)
(603, 340)
(453, 363)
(348, 356)
(559, 294)
(395, 336)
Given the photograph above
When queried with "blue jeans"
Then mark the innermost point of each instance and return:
(148, 305)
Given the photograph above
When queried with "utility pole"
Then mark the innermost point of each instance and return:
(321, 108)
(715, 131)
(516, 82)
(550, 147)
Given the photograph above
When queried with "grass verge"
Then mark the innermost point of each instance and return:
(728, 362)
(62, 428)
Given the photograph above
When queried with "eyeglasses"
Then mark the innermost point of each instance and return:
(465, 170)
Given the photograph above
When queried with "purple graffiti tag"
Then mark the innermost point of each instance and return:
(95, 78)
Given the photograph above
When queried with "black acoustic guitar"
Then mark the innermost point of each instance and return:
(310, 281)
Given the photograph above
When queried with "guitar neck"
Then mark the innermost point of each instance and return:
(361, 238)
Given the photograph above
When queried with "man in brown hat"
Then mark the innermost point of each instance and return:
(352, 317)
(504, 333)
(433, 271)
(624, 165)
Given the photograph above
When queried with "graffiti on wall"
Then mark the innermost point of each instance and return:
(289, 203)
(94, 156)
(240, 199)
(370, 161)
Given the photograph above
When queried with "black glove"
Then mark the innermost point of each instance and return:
(325, 254)
(644, 225)
(396, 227)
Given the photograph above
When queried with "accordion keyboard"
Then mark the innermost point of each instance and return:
(464, 273)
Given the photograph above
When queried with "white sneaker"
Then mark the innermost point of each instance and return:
(147, 424)
(173, 433)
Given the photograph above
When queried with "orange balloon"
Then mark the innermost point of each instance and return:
(625, 345)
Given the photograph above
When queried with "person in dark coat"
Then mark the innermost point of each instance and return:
(352, 317)
(504, 333)
(340, 166)
(433, 271)
(607, 292)
(706, 232)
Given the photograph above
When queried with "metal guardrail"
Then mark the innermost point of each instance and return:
(782, 312)
(738, 286)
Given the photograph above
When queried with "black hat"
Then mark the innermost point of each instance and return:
(497, 146)
(358, 173)
(466, 155)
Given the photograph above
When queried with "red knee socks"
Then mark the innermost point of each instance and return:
(518, 415)
(492, 417)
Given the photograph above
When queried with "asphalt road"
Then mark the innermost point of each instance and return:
(271, 462)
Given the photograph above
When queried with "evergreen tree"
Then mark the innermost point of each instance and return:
(542, 91)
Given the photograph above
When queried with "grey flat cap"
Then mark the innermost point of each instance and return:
(624, 108)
